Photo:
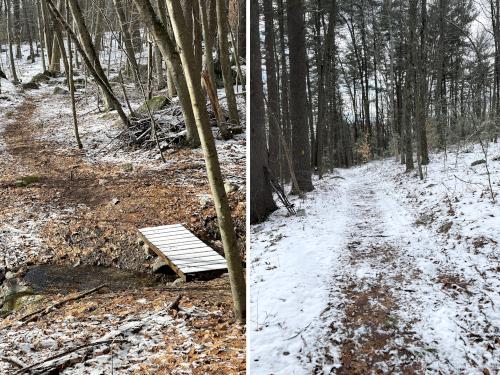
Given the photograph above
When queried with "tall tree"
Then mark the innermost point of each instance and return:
(261, 197)
(298, 96)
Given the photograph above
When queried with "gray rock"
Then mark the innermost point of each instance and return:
(301, 212)
(178, 282)
(230, 187)
(59, 91)
(9, 275)
(155, 104)
(158, 266)
(148, 252)
(205, 199)
(30, 86)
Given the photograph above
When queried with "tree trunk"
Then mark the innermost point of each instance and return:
(221, 8)
(261, 197)
(298, 96)
(15, 80)
(171, 57)
(126, 38)
(228, 235)
(272, 88)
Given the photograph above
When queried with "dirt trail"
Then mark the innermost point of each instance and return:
(92, 211)
(71, 211)
(374, 340)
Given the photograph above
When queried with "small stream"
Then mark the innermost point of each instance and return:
(43, 280)
(65, 279)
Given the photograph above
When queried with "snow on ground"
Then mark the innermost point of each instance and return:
(376, 277)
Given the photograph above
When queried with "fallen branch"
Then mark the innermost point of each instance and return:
(175, 304)
(13, 361)
(70, 351)
(298, 333)
(37, 314)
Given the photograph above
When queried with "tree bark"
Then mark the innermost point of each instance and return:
(298, 96)
(229, 240)
(221, 8)
(174, 65)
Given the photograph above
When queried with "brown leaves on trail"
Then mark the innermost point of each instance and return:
(201, 338)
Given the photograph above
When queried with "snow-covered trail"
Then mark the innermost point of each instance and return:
(359, 287)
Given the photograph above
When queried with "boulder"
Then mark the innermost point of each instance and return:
(159, 266)
(59, 91)
(155, 104)
(30, 86)
(178, 282)
(230, 187)
(40, 77)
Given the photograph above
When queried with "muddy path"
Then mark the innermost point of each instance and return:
(59, 208)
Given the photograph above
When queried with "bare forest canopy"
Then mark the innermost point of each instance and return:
(348, 81)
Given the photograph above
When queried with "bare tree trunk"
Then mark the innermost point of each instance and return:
(272, 88)
(71, 83)
(41, 33)
(221, 8)
(28, 30)
(90, 64)
(126, 38)
(226, 227)
(298, 96)
(15, 80)
(207, 7)
(98, 28)
(47, 32)
(174, 65)
(261, 197)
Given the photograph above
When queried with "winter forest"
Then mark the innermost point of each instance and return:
(374, 180)
(122, 186)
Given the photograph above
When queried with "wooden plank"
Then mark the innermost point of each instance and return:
(173, 246)
(190, 251)
(181, 250)
(165, 247)
(155, 237)
(196, 259)
(188, 270)
(182, 264)
(163, 229)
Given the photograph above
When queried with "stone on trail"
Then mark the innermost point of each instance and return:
(155, 104)
(59, 91)
(40, 77)
(178, 282)
(30, 86)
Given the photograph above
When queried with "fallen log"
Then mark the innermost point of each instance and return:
(44, 311)
(70, 351)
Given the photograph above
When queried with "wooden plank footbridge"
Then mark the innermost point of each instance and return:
(182, 251)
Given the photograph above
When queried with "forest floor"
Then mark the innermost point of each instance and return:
(69, 221)
(382, 273)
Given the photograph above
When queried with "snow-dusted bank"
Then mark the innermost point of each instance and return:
(383, 272)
